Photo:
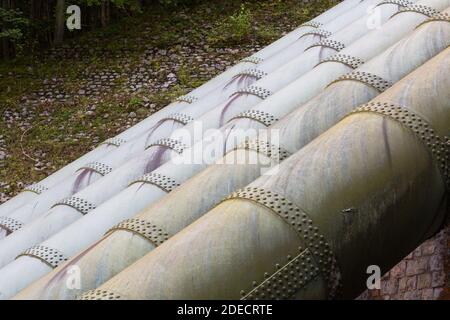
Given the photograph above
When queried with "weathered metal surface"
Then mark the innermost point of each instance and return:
(378, 176)
(203, 109)
(204, 92)
(417, 40)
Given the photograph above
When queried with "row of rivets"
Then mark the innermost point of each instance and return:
(186, 98)
(163, 182)
(179, 117)
(51, 257)
(263, 117)
(253, 59)
(10, 224)
(328, 43)
(117, 142)
(442, 16)
(367, 78)
(99, 294)
(438, 146)
(418, 8)
(350, 61)
(304, 227)
(175, 145)
(256, 91)
(269, 150)
(81, 205)
(36, 188)
(144, 228)
(287, 280)
(256, 73)
(312, 23)
(100, 168)
(317, 32)
(403, 3)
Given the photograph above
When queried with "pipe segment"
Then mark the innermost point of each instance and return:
(32, 191)
(91, 172)
(113, 253)
(62, 214)
(311, 229)
(114, 159)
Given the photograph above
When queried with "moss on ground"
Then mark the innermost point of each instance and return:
(37, 139)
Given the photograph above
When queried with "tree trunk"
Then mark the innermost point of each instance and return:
(59, 26)
(103, 15)
(5, 43)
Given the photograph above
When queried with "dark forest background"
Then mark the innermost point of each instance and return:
(30, 25)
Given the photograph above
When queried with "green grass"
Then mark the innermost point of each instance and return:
(61, 132)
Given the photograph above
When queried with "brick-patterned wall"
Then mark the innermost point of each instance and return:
(422, 275)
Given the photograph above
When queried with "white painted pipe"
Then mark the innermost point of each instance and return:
(31, 192)
(205, 189)
(96, 193)
(352, 198)
(94, 171)
(236, 104)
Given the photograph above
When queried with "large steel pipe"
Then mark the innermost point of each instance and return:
(30, 192)
(198, 195)
(366, 192)
(83, 202)
(271, 82)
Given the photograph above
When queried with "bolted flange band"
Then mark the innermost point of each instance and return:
(100, 168)
(146, 229)
(317, 32)
(442, 16)
(287, 280)
(186, 98)
(350, 61)
(163, 182)
(175, 145)
(179, 117)
(10, 224)
(303, 225)
(256, 91)
(269, 150)
(99, 294)
(328, 43)
(367, 78)
(256, 73)
(437, 146)
(418, 8)
(263, 117)
(403, 3)
(81, 205)
(36, 188)
(49, 256)
(253, 59)
(117, 142)
(312, 23)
